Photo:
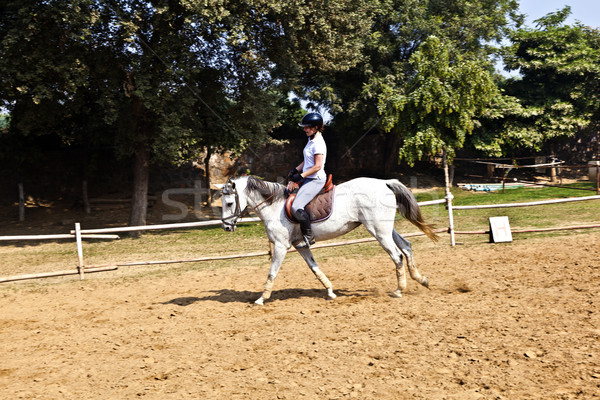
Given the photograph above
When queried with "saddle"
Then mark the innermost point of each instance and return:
(319, 208)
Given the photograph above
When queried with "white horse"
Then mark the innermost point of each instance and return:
(366, 201)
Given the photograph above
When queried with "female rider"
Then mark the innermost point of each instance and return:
(310, 172)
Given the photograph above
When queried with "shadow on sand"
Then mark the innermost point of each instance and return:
(236, 296)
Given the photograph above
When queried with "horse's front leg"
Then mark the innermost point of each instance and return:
(312, 264)
(279, 252)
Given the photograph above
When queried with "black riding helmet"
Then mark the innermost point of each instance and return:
(312, 119)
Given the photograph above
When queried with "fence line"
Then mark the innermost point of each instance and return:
(78, 234)
(54, 274)
(453, 231)
(163, 226)
(431, 202)
(555, 165)
(533, 203)
(562, 228)
(55, 237)
(246, 255)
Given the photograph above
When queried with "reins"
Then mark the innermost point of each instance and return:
(264, 201)
(238, 212)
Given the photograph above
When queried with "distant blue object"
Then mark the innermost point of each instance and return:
(489, 187)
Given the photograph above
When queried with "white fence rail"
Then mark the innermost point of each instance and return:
(528, 204)
(161, 227)
(79, 234)
(54, 237)
(452, 230)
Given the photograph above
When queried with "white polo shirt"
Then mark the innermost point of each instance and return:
(315, 146)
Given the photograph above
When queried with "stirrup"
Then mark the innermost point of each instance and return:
(305, 243)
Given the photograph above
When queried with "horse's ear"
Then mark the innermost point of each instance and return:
(228, 187)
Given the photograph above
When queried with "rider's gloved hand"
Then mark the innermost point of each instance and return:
(292, 173)
(296, 177)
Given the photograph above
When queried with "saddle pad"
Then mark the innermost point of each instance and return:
(319, 209)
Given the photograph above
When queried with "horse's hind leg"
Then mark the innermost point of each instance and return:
(406, 248)
(396, 255)
(312, 264)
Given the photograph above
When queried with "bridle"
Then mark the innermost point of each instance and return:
(229, 189)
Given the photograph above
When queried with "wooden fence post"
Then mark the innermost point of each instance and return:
(449, 198)
(598, 179)
(80, 267)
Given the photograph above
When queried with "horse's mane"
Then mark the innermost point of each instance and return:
(270, 191)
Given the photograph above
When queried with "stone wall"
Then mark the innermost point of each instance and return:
(276, 159)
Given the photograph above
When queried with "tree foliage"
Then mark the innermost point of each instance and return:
(557, 93)
(157, 80)
(398, 29)
(437, 110)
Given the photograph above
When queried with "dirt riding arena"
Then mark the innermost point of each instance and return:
(503, 321)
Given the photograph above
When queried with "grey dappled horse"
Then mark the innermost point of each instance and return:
(367, 201)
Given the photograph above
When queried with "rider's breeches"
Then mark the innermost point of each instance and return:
(307, 192)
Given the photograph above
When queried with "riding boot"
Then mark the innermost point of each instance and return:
(304, 220)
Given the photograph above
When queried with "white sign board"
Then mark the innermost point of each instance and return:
(500, 230)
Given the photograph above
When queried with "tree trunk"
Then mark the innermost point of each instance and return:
(391, 152)
(141, 167)
(21, 202)
(552, 170)
(86, 199)
(447, 176)
(139, 198)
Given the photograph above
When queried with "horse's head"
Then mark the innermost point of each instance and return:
(233, 204)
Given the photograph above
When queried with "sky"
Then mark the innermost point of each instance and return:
(585, 11)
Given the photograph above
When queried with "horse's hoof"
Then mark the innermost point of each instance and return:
(259, 302)
(331, 295)
(425, 282)
(397, 293)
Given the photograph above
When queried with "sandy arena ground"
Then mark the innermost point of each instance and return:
(501, 321)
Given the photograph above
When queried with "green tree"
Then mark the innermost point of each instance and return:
(40, 67)
(438, 110)
(4, 122)
(159, 79)
(398, 29)
(557, 94)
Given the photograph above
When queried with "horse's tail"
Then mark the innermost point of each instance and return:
(409, 208)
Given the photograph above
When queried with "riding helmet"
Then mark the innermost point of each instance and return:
(312, 119)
